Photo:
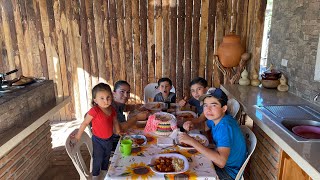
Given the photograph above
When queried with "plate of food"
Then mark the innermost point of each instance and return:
(171, 163)
(199, 137)
(154, 105)
(137, 139)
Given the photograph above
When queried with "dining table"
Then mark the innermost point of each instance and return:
(137, 165)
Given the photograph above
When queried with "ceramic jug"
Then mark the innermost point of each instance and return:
(230, 51)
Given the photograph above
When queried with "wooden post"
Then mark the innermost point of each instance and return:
(181, 49)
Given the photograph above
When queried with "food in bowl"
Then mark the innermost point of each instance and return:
(169, 164)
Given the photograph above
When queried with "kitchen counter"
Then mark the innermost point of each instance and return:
(306, 154)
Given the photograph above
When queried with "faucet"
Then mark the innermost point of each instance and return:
(316, 97)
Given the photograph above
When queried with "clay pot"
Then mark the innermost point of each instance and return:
(270, 84)
(230, 51)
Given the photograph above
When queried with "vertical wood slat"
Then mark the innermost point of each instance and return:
(41, 44)
(173, 41)
(20, 39)
(165, 39)
(9, 36)
(136, 48)
(203, 39)
(120, 30)
(181, 28)
(114, 40)
(158, 42)
(195, 39)
(144, 41)
(151, 43)
(85, 51)
(57, 11)
(107, 44)
(3, 65)
(210, 44)
(188, 44)
(128, 42)
(99, 34)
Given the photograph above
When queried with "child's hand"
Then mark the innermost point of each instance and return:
(188, 126)
(183, 102)
(185, 138)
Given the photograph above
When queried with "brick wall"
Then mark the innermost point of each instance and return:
(265, 161)
(29, 158)
(294, 35)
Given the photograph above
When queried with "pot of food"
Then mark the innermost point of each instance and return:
(271, 74)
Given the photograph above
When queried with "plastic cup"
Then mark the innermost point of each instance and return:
(125, 147)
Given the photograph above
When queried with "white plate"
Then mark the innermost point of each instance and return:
(173, 155)
(132, 137)
(200, 136)
(154, 105)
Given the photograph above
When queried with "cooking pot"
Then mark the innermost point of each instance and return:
(272, 74)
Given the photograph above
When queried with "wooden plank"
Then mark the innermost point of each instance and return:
(151, 43)
(187, 44)
(173, 41)
(158, 42)
(78, 63)
(114, 40)
(41, 43)
(94, 71)
(3, 57)
(22, 50)
(72, 62)
(33, 41)
(120, 28)
(195, 39)
(203, 38)
(259, 13)
(85, 51)
(210, 43)
(136, 50)
(181, 30)
(242, 18)
(219, 29)
(107, 44)
(165, 43)
(58, 19)
(9, 34)
(98, 21)
(128, 42)
(144, 40)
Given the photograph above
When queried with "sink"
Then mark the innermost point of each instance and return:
(289, 116)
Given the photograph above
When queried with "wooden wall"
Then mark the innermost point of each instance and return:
(79, 43)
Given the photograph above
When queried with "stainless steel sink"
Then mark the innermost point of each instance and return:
(289, 116)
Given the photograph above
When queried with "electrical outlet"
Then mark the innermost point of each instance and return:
(284, 62)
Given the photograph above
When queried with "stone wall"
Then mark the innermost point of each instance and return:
(30, 157)
(295, 29)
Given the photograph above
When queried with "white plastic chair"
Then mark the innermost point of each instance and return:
(73, 150)
(251, 142)
(233, 107)
(151, 90)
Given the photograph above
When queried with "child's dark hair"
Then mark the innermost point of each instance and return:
(165, 79)
(199, 80)
(120, 83)
(97, 88)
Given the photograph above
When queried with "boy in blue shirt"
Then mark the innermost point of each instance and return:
(230, 152)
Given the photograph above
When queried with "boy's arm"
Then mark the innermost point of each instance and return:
(83, 126)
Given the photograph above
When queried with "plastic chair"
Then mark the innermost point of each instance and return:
(233, 107)
(151, 90)
(251, 142)
(73, 150)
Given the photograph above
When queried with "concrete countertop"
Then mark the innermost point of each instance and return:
(305, 154)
